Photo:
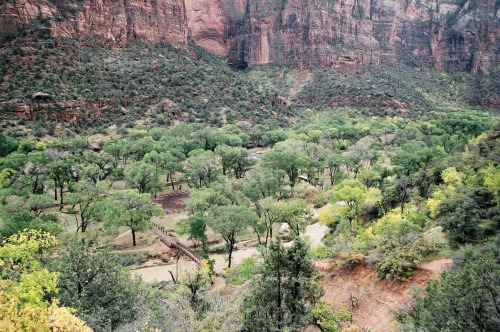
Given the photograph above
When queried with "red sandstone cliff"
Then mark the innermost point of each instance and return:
(115, 20)
(450, 34)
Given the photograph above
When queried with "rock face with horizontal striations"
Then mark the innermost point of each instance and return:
(449, 34)
(115, 20)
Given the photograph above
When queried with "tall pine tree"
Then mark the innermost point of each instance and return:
(279, 296)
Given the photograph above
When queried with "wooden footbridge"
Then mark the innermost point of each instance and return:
(173, 243)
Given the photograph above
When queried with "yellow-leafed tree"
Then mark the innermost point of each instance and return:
(26, 287)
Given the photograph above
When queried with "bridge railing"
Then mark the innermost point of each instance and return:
(173, 243)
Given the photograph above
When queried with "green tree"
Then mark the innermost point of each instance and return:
(142, 176)
(207, 138)
(203, 168)
(289, 212)
(83, 202)
(60, 172)
(460, 218)
(257, 134)
(353, 163)
(115, 150)
(269, 214)
(272, 137)
(32, 175)
(102, 165)
(349, 197)
(139, 148)
(195, 227)
(165, 162)
(282, 292)
(289, 160)
(414, 156)
(369, 177)
(261, 183)
(200, 200)
(27, 289)
(17, 217)
(229, 221)
(333, 164)
(93, 282)
(234, 158)
(130, 208)
(466, 298)
(329, 320)
(492, 180)
(5, 177)
(7, 145)
(192, 283)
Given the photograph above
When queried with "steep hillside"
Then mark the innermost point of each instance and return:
(93, 83)
(382, 90)
(374, 301)
(108, 61)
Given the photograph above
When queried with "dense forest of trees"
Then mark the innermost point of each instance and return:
(394, 192)
(392, 160)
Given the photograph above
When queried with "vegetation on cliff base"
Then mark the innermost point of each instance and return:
(92, 83)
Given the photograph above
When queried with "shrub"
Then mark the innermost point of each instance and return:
(320, 251)
(242, 272)
(399, 262)
(132, 259)
(329, 320)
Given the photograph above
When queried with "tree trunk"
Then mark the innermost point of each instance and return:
(133, 237)
(169, 176)
(35, 186)
(402, 205)
(278, 275)
(61, 196)
(230, 256)
(83, 224)
(258, 235)
(231, 248)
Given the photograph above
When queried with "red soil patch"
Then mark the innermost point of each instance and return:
(373, 301)
(172, 202)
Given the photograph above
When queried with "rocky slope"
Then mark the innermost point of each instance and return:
(449, 34)
(373, 301)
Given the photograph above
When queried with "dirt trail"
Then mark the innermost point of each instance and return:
(373, 301)
(316, 232)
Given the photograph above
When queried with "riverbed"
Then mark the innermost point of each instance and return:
(158, 271)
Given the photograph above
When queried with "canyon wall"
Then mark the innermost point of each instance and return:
(449, 34)
(115, 20)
